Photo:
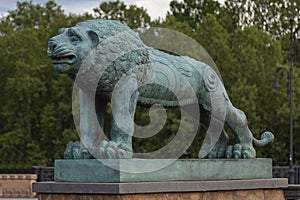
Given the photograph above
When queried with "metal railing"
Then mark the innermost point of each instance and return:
(43, 173)
(283, 172)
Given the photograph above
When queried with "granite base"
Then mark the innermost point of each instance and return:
(139, 170)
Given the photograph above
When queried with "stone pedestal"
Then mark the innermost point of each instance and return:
(145, 170)
(247, 179)
(255, 189)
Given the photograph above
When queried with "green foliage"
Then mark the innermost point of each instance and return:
(247, 39)
(193, 11)
(35, 113)
(215, 39)
(247, 55)
(255, 96)
(270, 15)
(133, 16)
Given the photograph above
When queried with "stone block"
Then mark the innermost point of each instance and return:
(158, 187)
(17, 185)
(257, 189)
(129, 170)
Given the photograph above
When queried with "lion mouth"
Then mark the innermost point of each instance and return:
(63, 59)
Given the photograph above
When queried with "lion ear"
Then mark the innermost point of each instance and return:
(94, 37)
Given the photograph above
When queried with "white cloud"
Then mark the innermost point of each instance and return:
(78, 6)
(6, 5)
(155, 8)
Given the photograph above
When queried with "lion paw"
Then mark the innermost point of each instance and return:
(217, 152)
(240, 151)
(237, 151)
(111, 150)
(75, 150)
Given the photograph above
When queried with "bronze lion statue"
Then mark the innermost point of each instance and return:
(110, 63)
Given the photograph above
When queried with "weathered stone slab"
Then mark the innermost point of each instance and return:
(129, 170)
(158, 187)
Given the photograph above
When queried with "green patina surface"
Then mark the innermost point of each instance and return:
(206, 169)
(108, 59)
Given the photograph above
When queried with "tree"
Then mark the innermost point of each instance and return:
(257, 55)
(36, 108)
(270, 15)
(22, 92)
(133, 16)
(247, 39)
(194, 11)
(35, 114)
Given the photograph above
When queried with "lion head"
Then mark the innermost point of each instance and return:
(97, 51)
(71, 46)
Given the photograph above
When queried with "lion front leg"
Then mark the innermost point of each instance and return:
(91, 113)
(123, 102)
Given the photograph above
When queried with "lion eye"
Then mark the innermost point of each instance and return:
(73, 36)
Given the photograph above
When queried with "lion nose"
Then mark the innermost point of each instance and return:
(52, 45)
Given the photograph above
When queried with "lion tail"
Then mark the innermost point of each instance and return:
(265, 139)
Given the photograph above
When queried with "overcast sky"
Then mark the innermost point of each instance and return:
(155, 8)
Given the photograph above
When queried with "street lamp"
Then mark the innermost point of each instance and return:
(278, 75)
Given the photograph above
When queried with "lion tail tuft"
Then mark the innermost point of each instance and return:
(265, 139)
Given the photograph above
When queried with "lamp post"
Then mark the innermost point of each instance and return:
(278, 75)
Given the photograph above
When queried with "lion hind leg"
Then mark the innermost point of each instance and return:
(237, 121)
